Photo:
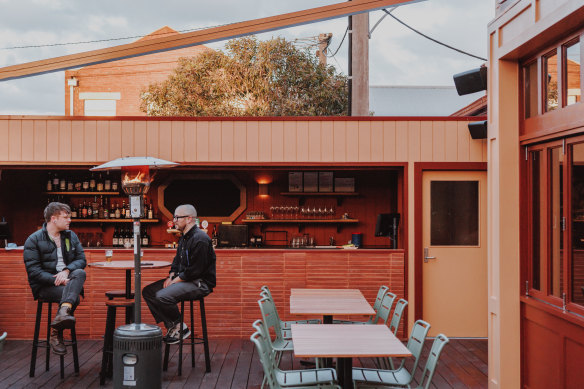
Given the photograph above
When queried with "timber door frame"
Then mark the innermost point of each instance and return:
(419, 169)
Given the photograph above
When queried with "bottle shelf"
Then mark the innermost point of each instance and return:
(301, 222)
(84, 193)
(113, 220)
(303, 195)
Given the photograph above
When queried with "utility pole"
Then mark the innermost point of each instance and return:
(359, 64)
(323, 42)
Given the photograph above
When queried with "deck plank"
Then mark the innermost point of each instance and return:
(234, 364)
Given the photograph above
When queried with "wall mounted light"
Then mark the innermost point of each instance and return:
(263, 190)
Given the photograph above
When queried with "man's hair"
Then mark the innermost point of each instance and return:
(188, 209)
(55, 209)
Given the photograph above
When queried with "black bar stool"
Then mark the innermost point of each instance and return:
(108, 338)
(194, 340)
(45, 343)
(114, 294)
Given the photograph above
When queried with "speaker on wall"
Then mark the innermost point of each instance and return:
(471, 81)
(478, 130)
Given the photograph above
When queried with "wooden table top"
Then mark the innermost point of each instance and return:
(346, 340)
(126, 265)
(329, 302)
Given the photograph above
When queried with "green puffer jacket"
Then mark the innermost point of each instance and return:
(40, 257)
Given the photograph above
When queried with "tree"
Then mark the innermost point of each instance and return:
(253, 78)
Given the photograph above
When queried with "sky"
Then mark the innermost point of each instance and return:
(397, 55)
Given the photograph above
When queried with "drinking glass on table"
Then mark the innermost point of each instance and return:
(108, 255)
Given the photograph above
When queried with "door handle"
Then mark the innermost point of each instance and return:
(426, 257)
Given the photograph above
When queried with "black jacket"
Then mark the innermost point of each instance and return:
(40, 257)
(195, 258)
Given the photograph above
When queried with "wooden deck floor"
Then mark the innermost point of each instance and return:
(234, 364)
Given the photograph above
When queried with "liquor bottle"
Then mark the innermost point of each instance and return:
(63, 185)
(49, 185)
(131, 236)
(107, 185)
(56, 182)
(214, 237)
(92, 184)
(115, 237)
(95, 208)
(150, 211)
(127, 234)
(114, 186)
(70, 186)
(105, 212)
(85, 185)
(83, 210)
(100, 183)
(117, 212)
(127, 210)
(89, 211)
(112, 211)
(145, 238)
(73, 212)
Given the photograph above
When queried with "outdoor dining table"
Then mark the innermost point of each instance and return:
(345, 341)
(329, 302)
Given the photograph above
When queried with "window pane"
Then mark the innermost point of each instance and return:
(530, 89)
(572, 70)
(557, 242)
(550, 66)
(577, 211)
(538, 210)
(454, 213)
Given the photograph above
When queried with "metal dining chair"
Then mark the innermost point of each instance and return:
(285, 325)
(271, 320)
(401, 376)
(380, 294)
(400, 306)
(277, 378)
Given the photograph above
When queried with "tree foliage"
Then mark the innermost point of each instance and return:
(252, 78)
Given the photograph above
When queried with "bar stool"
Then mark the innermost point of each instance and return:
(118, 293)
(108, 338)
(194, 340)
(45, 343)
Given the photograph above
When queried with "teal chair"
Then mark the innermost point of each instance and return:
(271, 323)
(400, 306)
(380, 293)
(439, 343)
(285, 325)
(277, 378)
(400, 377)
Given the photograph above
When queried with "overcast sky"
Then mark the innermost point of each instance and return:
(398, 56)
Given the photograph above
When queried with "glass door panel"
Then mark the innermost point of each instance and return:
(556, 276)
(577, 213)
(538, 211)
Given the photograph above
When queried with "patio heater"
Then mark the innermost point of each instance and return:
(137, 347)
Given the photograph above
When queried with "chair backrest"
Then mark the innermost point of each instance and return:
(397, 315)
(265, 358)
(261, 328)
(416, 343)
(265, 291)
(384, 308)
(270, 316)
(380, 294)
(439, 343)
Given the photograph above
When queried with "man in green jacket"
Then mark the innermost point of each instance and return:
(54, 261)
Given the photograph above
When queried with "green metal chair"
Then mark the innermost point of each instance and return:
(286, 325)
(380, 293)
(439, 343)
(401, 376)
(277, 378)
(400, 306)
(271, 320)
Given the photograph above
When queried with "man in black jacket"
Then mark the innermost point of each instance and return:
(54, 261)
(192, 275)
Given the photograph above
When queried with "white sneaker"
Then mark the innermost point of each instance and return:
(173, 335)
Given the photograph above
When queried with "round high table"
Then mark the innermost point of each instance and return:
(128, 266)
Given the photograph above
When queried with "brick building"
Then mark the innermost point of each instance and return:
(114, 88)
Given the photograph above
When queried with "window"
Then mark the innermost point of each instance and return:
(530, 89)
(550, 82)
(555, 222)
(454, 211)
(100, 108)
(572, 70)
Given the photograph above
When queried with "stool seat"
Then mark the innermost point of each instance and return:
(118, 293)
(193, 340)
(120, 303)
(45, 343)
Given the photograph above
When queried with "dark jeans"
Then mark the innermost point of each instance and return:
(65, 293)
(162, 301)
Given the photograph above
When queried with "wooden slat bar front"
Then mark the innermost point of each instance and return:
(232, 307)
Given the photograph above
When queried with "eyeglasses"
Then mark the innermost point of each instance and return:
(180, 217)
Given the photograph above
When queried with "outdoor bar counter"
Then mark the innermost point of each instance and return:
(232, 307)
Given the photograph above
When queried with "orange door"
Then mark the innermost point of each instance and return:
(455, 252)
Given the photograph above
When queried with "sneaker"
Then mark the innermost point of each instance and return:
(173, 335)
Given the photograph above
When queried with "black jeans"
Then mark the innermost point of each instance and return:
(65, 293)
(162, 301)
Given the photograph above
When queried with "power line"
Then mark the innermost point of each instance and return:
(432, 39)
(340, 44)
(104, 40)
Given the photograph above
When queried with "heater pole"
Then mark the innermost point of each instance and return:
(137, 271)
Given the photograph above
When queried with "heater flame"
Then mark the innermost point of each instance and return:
(135, 180)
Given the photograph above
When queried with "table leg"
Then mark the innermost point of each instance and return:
(327, 362)
(327, 319)
(345, 372)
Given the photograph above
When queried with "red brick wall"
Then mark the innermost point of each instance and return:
(232, 307)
